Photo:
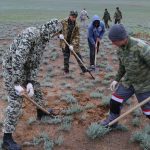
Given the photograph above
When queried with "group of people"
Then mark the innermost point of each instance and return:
(117, 17)
(106, 17)
(21, 64)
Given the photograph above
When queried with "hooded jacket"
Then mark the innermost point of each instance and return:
(93, 32)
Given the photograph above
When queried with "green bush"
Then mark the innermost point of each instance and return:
(142, 137)
(95, 130)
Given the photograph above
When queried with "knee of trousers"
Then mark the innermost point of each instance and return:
(115, 106)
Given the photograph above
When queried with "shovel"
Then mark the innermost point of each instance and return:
(96, 52)
(128, 112)
(37, 105)
(80, 60)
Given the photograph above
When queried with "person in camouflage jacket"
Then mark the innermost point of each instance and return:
(71, 34)
(106, 18)
(20, 66)
(133, 75)
(117, 16)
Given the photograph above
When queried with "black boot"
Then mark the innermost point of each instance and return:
(41, 114)
(9, 143)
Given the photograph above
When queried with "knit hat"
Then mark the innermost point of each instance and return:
(117, 32)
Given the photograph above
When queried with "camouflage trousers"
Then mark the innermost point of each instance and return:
(66, 53)
(14, 107)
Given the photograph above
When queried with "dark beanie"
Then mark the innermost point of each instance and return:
(117, 32)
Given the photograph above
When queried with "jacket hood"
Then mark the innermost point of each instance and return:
(95, 17)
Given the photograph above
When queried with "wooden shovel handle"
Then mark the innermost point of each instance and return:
(79, 60)
(129, 111)
(33, 102)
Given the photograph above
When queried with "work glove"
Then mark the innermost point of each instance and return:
(113, 85)
(30, 90)
(61, 36)
(71, 47)
(19, 90)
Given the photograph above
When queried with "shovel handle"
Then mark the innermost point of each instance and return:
(129, 111)
(80, 60)
(33, 102)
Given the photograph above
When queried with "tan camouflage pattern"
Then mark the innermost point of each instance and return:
(134, 65)
(75, 36)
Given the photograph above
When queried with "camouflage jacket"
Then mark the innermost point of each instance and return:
(134, 65)
(106, 16)
(118, 15)
(75, 37)
(25, 53)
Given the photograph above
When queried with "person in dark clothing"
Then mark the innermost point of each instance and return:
(117, 16)
(106, 18)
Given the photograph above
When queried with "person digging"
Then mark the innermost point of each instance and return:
(21, 64)
(70, 32)
(133, 75)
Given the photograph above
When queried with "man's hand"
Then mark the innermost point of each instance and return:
(113, 85)
(30, 89)
(19, 90)
(71, 47)
(61, 36)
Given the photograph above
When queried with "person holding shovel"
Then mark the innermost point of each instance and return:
(70, 33)
(133, 75)
(96, 31)
(20, 65)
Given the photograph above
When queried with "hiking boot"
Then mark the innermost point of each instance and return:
(109, 119)
(9, 143)
(41, 114)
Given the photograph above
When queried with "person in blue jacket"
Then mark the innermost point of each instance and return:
(96, 31)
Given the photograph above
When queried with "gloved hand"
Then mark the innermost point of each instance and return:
(71, 47)
(30, 89)
(113, 85)
(61, 36)
(19, 90)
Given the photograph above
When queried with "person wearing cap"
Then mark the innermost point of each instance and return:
(117, 16)
(70, 33)
(96, 31)
(133, 75)
(21, 64)
(83, 17)
(106, 18)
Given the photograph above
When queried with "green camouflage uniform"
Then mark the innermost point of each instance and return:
(21, 64)
(71, 34)
(106, 18)
(134, 65)
(118, 16)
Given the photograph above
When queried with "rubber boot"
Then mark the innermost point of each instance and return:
(110, 118)
(9, 143)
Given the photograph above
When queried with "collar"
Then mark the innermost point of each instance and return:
(128, 45)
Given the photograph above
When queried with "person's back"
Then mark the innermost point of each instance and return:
(106, 18)
(118, 15)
